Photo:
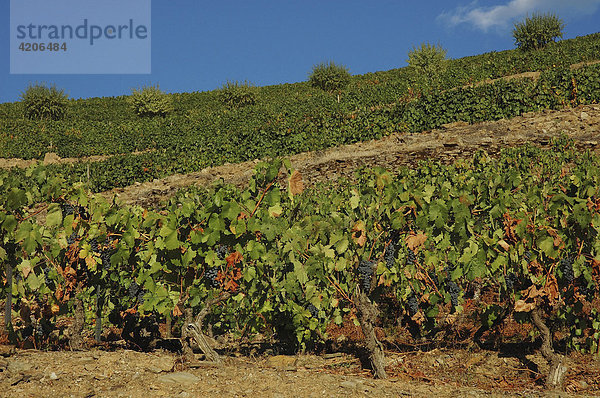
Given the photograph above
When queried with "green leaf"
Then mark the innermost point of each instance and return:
(300, 272)
(546, 245)
(54, 216)
(171, 241)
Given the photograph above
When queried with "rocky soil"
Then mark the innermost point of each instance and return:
(437, 373)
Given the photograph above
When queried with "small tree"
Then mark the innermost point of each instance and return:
(238, 94)
(330, 77)
(150, 101)
(43, 102)
(428, 63)
(538, 30)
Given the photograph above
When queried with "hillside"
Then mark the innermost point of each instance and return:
(293, 118)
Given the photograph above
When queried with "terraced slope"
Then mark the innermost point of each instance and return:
(453, 141)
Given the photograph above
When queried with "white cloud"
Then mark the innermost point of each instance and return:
(501, 16)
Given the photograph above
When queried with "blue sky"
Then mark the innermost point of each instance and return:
(198, 45)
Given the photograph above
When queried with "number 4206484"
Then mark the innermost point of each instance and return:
(43, 46)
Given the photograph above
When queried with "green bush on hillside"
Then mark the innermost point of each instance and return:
(428, 63)
(43, 102)
(237, 94)
(150, 101)
(538, 30)
(329, 77)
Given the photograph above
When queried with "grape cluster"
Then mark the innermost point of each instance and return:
(314, 312)
(73, 238)
(221, 251)
(511, 279)
(136, 292)
(211, 275)
(67, 209)
(94, 245)
(39, 330)
(412, 304)
(390, 254)
(453, 290)
(566, 266)
(365, 272)
(105, 258)
(410, 257)
(527, 255)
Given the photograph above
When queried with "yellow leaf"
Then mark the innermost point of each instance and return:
(26, 270)
(523, 306)
(502, 243)
(359, 233)
(295, 183)
(415, 241)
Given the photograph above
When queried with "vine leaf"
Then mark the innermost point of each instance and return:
(177, 311)
(296, 184)
(359, 233)
(415, 241)
(503, 244)
(551, 288)
(529, 299)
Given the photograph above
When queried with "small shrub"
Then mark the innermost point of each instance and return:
(538, 30)
(43, 102)
(329, 77)
(428, 63)
(150, 101)
(238, 94)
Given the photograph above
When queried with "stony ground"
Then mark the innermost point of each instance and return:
(437, 373)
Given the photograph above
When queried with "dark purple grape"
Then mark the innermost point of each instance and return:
(413, 304)
(390, 254)
(566, 266)
(410, 257)
(133, 289)
(314, 312)
(222, 251)
(211, 276)
(511, 279)
(454, 291)
(365, 273)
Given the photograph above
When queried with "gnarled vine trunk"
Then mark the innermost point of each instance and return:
(192, 332)
(367, 315)
(558, 371)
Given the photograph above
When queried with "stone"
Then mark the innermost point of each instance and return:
(348, 384)
(281, 362)
(179, 378)
(6, 350)
(53, 376)
(17, 366)
(451, 142)
(161, 364)
(51, 158)
(584, 116)
(452, 125)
